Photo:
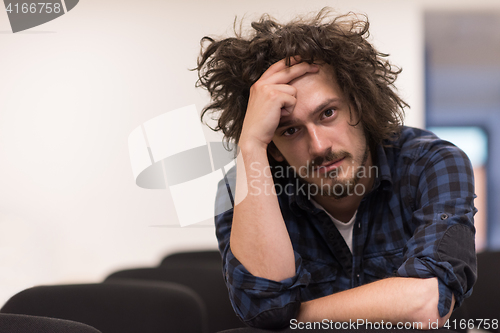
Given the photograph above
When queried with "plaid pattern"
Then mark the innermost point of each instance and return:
(416, 222)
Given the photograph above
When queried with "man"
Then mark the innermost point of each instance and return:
(361, 217)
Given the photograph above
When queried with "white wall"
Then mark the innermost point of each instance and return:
(73, 89)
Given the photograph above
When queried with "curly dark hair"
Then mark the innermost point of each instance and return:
(228, 67)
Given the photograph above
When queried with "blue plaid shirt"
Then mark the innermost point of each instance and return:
(417, 221)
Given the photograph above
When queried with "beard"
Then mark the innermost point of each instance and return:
(338, 183)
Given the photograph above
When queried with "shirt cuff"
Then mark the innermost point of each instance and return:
(416, 267)
(261, 302)
(239, 277)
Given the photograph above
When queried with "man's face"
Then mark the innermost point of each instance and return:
(318, 140)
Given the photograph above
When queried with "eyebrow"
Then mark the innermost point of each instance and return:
(318, 109)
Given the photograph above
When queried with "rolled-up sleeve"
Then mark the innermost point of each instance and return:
(257, 301)
(443, 243)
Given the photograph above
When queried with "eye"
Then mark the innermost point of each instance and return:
(328, 113)
(289, 131)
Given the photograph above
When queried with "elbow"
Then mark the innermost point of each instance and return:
(276, 318)
(428, 317)
(426, 305)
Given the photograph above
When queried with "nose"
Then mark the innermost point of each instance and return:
(319, 143)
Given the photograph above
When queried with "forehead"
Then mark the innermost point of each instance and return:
(313, 85)
(314, 93)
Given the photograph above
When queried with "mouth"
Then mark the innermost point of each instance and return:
(328, 166)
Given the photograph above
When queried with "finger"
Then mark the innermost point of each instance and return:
(286, 88)
(280, 65)
(287, 74)
(288, 105)
(273, 91)
(290, 73)
(274, 68)
(286, 111)
(294, 60)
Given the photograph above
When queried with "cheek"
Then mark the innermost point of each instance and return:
(297, 158)
(356, 135)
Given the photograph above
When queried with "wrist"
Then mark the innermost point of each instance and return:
(249, 146)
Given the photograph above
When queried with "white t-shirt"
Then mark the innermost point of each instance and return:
(345, 229)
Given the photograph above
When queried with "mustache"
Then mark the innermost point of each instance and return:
(329, 156)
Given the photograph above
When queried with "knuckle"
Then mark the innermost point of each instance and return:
(259, 86)
(267, 90)
(271, 93)
(255, 86)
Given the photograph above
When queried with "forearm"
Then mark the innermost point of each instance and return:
(392, 299)
(259, 238)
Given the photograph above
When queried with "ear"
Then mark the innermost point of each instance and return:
(275, 153)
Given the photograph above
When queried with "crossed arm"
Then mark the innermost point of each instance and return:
(393, 299)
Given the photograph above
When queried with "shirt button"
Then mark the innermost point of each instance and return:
(359, 225)
(357, 275)
(444, 216)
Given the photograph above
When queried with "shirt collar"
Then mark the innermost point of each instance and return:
(383, 174)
